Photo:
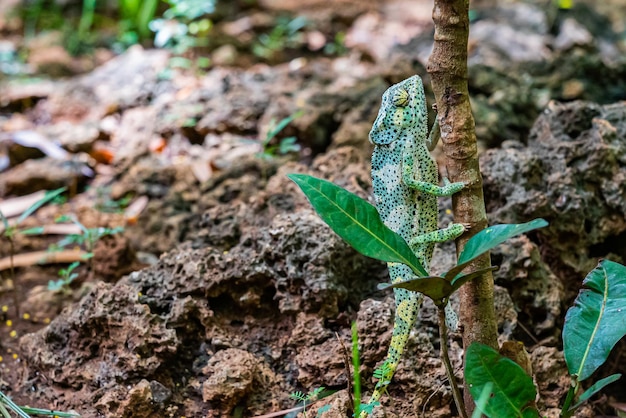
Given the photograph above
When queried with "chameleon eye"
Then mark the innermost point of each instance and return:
(400, 98)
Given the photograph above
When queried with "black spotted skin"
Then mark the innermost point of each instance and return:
(405, 182)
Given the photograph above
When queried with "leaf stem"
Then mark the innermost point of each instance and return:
(565, 411)
(445, 357)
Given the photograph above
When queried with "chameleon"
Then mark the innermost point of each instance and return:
(405, 182)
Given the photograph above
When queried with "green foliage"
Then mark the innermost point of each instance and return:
(284, 145)
(183, 25)
(136, 17)
(513, 390)
(321, 410)
(382, 371)
(67, 276)
(6, 405)
(337, 47)
(494, 235)
(88, 236)
(105, 204)
(10, 230)
(306, 397)
(189, 9)
(285, 34)
(593, 325)
(358, 223)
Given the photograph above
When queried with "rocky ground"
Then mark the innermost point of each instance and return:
(225, 292)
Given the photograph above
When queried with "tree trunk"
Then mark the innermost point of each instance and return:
(448, 70)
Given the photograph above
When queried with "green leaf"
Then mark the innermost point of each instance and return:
(37, 230)
(5, 221)
(275, 128)
(494, 235)
(595, 323)
(39, 411)
(435, 287)
(357, 222)
(513, 390)
(47, 197)
(4, 399)
(298, 396)
(595, 388)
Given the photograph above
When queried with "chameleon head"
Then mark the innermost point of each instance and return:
(403, 107)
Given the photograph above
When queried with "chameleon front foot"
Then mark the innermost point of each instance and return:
(441, 235)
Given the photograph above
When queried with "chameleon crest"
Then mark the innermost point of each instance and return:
(405, 180)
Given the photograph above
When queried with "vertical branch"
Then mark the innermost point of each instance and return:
(448, 70)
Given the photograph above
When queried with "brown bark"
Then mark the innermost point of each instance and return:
(448, 70)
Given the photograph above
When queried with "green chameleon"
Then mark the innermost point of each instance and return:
(405, 180)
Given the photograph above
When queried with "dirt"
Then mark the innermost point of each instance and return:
(226, 292)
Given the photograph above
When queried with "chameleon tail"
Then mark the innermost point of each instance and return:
(407, 309)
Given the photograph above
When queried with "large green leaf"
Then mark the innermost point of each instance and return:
(494, 235)
(513, 390)
(595, 323)
(357, 222)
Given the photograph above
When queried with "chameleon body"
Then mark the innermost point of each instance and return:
(405, 180)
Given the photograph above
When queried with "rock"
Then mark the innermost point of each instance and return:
(113, 257)
(537, 292)
(572, 174)
(232, 375)
(103, 342)
(106, 89)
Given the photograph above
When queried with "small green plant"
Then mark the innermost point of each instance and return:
(286, 34)
(271, 147)
(183, 25)
(136, 17)
(593, 325)
(87, 239)
(11, 229)
(67, 276)
(306, 397)
(358, 223)
(382, 372)
(88, 236)
(6, 405)
(105, 204)
(337, 46)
